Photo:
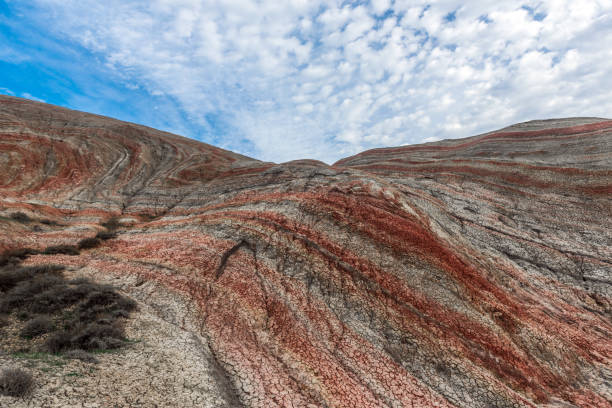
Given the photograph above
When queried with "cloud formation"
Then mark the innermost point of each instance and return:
(282, 80)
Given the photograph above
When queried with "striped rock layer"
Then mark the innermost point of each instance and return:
(466, 273)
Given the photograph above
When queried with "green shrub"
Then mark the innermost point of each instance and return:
(16, 382)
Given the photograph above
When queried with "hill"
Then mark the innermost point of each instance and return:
(470, 272)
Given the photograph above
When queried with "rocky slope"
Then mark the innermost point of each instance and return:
(467, 273)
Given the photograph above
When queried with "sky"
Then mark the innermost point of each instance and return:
(280, 80)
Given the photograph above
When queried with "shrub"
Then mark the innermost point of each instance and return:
(15, 382)
(7, 260)
(34, 289)
(23, 315)
(20, 217)
(4, 321)
(37, 326)
(48, 222)
(61, 249)
(14, 256)
(52, 269)
(111, 224)
(87, 243)
(56, 298)
(23, 295)
(102, 303)
(93, 336)
(101, 297)
(58, 342)
(86, 313)
(105, 235)
(11, 276)
(96, 336)
(80, 281)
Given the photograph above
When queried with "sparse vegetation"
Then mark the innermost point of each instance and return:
(15, 256)
(111, 224)
(16, 382)
(105, 235)
(52, 269)
(11, 276)
(43, 357)
(88, 243)
(70, 314)
(37, 326)
(92, 336)
(79, 354)
(61, 249)
(21, 217)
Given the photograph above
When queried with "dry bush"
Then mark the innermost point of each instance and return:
(11, 276)
(61, 249)
(88, 243)
(87, 315)
(92, 336)
(24, 295)
(111, 224)
(14, 256)
(105, 235)
(53, 269)
(48, 222)
(21, 217)
(16, 382)
(37, 326)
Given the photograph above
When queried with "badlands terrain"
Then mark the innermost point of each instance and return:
(472, 272)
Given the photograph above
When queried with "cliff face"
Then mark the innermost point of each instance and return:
(468, 273)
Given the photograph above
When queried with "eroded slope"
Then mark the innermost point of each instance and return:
(471, 273)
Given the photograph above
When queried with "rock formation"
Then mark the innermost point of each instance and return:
(464, 273)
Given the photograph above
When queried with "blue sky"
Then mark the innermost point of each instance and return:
(318, 79)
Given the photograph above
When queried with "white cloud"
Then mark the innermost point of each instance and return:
(324, 79)
(30, 96)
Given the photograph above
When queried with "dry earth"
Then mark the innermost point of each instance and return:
(467, 273)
